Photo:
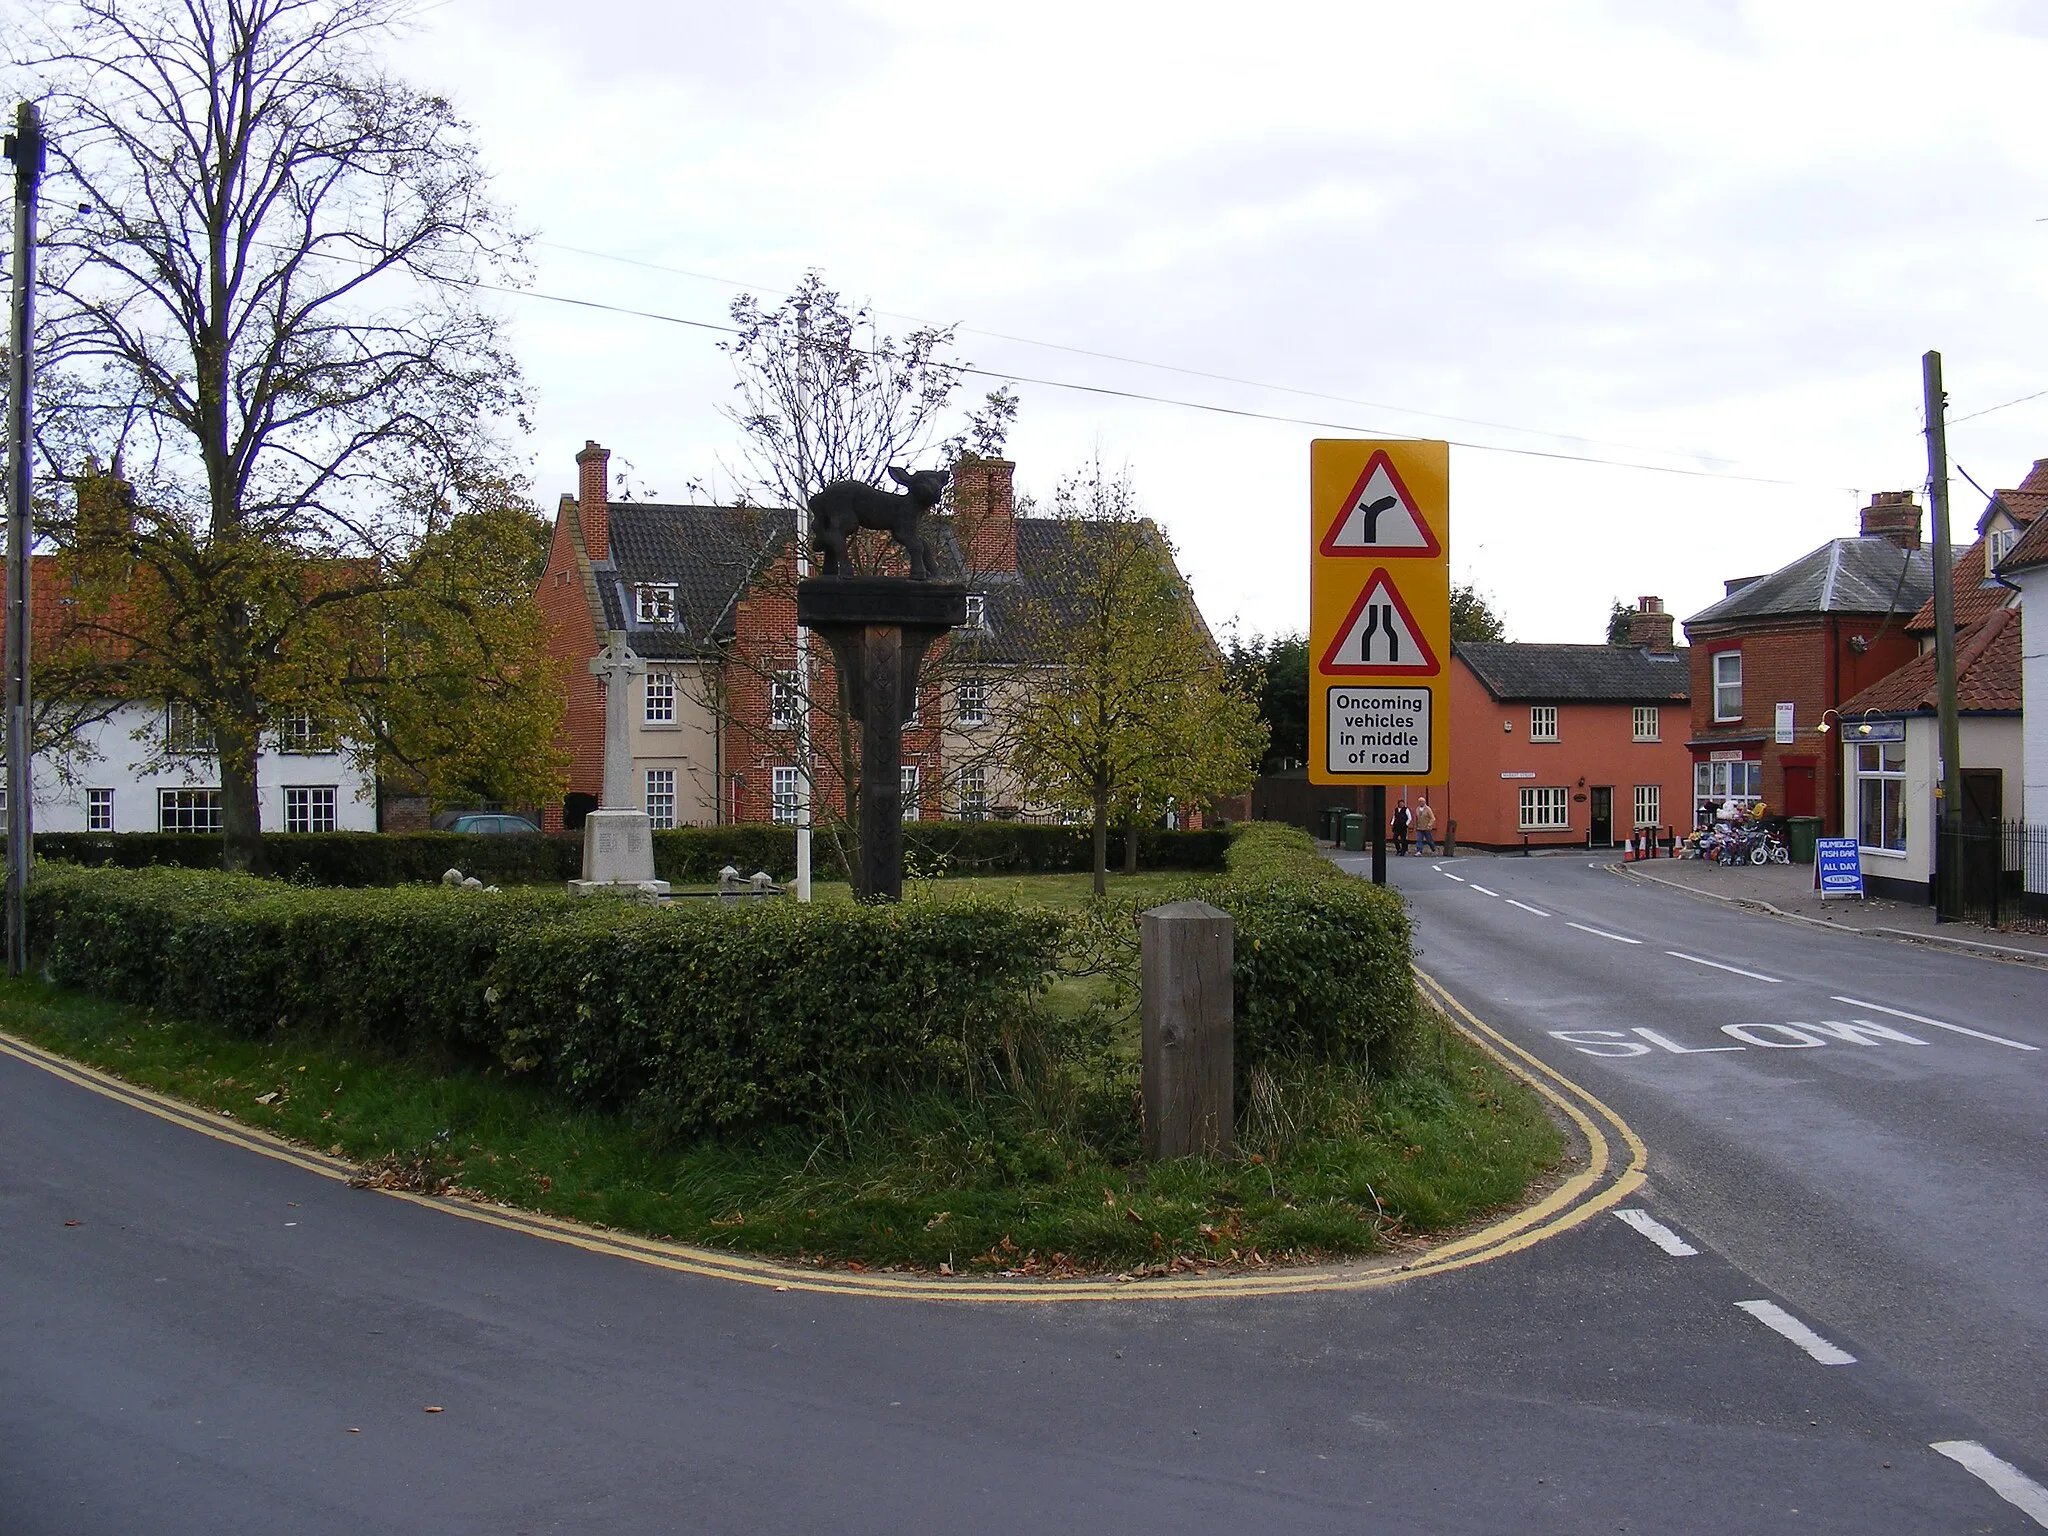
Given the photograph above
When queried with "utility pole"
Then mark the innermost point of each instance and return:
(24, 147)
(803, 730)
(1949, 793)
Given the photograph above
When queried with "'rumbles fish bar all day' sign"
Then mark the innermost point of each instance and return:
(1379, 612)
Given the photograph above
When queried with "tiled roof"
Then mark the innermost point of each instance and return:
(709, 554)
(1605, 673)
(2030, 551)
(1870, 575)
(1987, 675)
(1972, 595)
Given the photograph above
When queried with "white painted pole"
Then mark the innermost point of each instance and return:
(803, 735)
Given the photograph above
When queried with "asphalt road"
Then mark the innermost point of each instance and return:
(225, 1343)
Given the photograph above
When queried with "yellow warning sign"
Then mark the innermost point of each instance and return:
(1379, 612)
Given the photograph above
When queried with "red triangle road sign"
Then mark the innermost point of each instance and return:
(1379, 637)
(1380, 520)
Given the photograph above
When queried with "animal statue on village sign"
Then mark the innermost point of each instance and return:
(846, 505)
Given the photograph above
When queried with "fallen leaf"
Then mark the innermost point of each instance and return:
(352, 1429)
(266, 1098)
(433, 1408)
(335, 1150)
(73, 1223)
(938, 1220)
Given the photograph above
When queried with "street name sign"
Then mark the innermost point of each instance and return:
(1379, 612)
(1837, 869)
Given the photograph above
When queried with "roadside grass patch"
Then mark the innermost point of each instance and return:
(1042, 1178)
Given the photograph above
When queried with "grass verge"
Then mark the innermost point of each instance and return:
(1334, 1162)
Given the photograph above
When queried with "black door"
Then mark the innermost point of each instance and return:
(1603, 816)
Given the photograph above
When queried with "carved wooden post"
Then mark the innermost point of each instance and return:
(1188, 1029)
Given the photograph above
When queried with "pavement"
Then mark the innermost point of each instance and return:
(1832, 1270)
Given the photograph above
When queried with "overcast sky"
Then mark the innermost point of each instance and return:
(1713, 238)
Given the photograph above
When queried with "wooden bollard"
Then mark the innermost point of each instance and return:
(1188, 1029)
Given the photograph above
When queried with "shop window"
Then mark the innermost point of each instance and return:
(1881, 796)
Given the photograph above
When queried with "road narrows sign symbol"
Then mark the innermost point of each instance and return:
(1380, 636)
(1380, 519)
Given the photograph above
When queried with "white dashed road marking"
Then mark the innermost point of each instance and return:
(1679, 954)
(1602, 933)
(1657, 1233)
(1526, 907)
(1482, 890)
(1956, 1029)
(2002, 1477)
(1778, 1320)
(1449, 876)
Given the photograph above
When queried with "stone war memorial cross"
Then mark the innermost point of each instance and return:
(618, 843)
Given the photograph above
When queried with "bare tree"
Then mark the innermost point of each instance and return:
(266, 292)
(824, 395)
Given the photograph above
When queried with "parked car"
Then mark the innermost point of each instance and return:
(493, 824)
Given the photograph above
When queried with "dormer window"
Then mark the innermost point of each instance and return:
(977, 610)
(1997, 545)
(654, 603)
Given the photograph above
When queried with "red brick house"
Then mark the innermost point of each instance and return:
(706, 595)
(1567, 745)
(1774, 661)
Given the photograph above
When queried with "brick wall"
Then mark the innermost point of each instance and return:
(565, 602)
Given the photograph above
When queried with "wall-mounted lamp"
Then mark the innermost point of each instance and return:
(1508, 726)
(1862, 722)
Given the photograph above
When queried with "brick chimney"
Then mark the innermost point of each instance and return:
(593, 501)
(985, 513)
(1893, 515)
(1650, 625)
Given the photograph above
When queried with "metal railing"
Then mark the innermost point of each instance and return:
(1991, 872)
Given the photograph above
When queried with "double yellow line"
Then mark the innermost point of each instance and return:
(1605, 1180)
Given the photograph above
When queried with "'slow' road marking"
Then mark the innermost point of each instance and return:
(1526, 907)
(1778, 1320)
(1657, 1232)
(1482, 890)
(1679, 954)
(2002, 1477)
(1917, 1018)
(1602, 933)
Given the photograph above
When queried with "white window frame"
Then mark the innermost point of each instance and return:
(1886, 774)
(1649, 805)
(659, 800)
(654, 603)
(784, 792)
(977, 610)
(1543, 722)
(189, 805)
(311, 808)
(1715, 782)
(99, 810)
(1546, 808)
(300, 735)
(1727, 682)
(658, 698)
(973, 697)
(972, 785)
(784, 702)
(183, 736)
(1648, 723)
(908, 781)
(1998, 544)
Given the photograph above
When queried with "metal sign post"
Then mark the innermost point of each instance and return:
(1379, 619)
(25, 148)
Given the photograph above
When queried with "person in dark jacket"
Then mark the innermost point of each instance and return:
(1401, 828)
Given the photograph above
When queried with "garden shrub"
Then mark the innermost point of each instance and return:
(682, 856)
(695, 1016)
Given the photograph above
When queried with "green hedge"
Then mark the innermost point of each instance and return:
(696, 1016)
(685, 856)
(1322, 959)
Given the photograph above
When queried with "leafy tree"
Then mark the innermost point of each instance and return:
(265, 279)
(1135, 710)
(1472, 617)
(1275, 672)
(1617, 623)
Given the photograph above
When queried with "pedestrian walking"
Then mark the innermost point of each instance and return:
(1425, 827)
(1401, 829)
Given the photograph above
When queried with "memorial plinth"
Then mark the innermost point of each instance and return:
(879, 628)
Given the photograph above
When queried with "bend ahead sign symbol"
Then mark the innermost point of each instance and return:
(1380, 519)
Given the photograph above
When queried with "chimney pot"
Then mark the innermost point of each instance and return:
(1892, 515)
(1650, 625)
(593, 498)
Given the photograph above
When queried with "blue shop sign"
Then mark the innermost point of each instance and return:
(1837, 869)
